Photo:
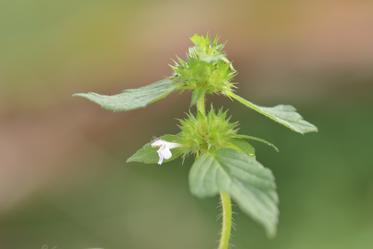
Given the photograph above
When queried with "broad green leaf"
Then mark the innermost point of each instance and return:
(286, 115)
(147, 154)
(132, 98)
(250, 184)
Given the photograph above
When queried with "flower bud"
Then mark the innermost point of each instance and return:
(206, 67)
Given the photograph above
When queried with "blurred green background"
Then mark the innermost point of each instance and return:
(64, 182)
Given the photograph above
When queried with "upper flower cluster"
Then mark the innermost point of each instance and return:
(206, 68)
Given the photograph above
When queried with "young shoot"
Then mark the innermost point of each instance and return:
(225, 162)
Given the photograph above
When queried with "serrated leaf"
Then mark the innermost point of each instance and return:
(132, 98)
(250, 184)
(286, 115)
(147, 154)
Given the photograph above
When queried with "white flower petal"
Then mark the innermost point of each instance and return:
(160, 161)
(164, 151)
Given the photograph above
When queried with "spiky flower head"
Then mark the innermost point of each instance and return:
(206, 68)
(202, 133)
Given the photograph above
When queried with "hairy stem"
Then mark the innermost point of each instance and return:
(226, 204)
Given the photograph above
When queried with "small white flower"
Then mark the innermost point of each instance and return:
(164, 151)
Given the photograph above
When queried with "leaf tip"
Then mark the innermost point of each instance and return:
(131, 159)
(271, 233)
(312, 128)
(84, 95)
(78, 94)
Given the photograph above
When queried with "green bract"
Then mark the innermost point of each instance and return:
(206, 49)
(209, 77)
(225, 161)
(206, 68)
(203, 133)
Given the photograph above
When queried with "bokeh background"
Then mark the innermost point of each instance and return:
(64, 182)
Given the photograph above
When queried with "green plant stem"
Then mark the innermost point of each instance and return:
(201, 104)
(226, 204)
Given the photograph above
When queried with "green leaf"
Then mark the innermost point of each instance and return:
(250, 184)
(147, 154)
(286, 115)
(132, 98)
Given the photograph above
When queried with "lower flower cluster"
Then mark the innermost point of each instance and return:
(202, 133)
